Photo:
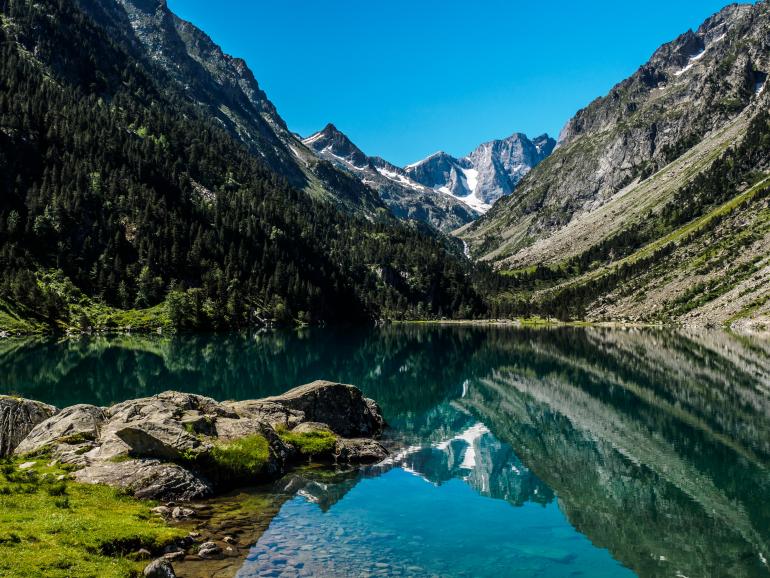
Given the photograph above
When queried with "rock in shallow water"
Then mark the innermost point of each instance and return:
(160, 568)
(209, 550)
(342, 407)
(359, 451)
(180, 513)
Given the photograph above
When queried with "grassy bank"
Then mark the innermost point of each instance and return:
(80, 313)
(53, 527)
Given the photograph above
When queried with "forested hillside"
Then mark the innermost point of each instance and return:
(118, 194)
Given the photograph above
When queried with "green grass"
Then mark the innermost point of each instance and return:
(243, 457)
(13, 321)
(79, 312)
(63, 529)
(140, 320)
(311, 444)
(83, 313)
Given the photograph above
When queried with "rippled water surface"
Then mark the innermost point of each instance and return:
(566, 452)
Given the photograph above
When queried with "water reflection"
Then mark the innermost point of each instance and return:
(654, 445)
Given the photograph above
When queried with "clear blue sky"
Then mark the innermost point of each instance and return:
(407, 78)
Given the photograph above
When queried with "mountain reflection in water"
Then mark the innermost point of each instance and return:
(653, 445)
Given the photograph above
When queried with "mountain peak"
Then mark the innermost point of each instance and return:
(332, 140)
(544, 144)
(438, 156)
(331, 129)
(406, 198)
(491, 171)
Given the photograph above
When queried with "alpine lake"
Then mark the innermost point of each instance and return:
(560, 452)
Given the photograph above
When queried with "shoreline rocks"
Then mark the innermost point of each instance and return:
(18, 417)
(167, 446)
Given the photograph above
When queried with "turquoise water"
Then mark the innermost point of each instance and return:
(567, 452)
(400, 524)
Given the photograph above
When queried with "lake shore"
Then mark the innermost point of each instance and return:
(152, 464)
(533, 322)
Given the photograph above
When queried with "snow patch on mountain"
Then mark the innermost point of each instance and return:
(488, 173)
(407, 198)
(697, 56)
(471, 179)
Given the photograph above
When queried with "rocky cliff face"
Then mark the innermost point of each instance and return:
(690, 88)
(640, 210)
(490, 172)
(406, 198)
(224, 87)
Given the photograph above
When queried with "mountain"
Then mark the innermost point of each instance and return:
(652, 206)
(490, 172)
(187, 61)
(406, 198)
(145, 182)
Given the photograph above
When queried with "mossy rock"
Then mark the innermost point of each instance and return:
(243, 458)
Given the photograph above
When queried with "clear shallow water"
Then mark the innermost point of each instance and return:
(570, 452)
(401, 524)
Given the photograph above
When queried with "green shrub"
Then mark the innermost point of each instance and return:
(56, 489)
(244, 457)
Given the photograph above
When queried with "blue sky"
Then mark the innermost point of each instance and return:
(407, 78)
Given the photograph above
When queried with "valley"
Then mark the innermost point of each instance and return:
(649, 208)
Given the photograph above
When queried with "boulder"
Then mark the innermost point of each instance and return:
(275, 414)
(175, 410)
(74, 454)
(160, 568)
(73, 425)
(233, 429)
(167, 404)
(18, 417)
(342, 407)
(147, 479)
(165, 441)
(359, 451)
